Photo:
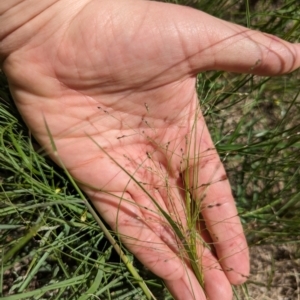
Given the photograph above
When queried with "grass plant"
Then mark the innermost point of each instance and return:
(51, 244)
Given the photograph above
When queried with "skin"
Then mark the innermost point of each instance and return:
(137, 61)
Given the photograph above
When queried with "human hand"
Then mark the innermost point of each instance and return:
(137, 61)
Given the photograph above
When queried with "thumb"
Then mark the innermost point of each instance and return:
(210, 43)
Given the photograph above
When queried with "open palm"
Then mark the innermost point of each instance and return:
(115, 83)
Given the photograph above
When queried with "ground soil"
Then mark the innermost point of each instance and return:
(275, 273)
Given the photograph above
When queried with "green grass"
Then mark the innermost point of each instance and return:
(51, 245)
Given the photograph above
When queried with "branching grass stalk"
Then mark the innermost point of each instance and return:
(188, 239)
(193, 260)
